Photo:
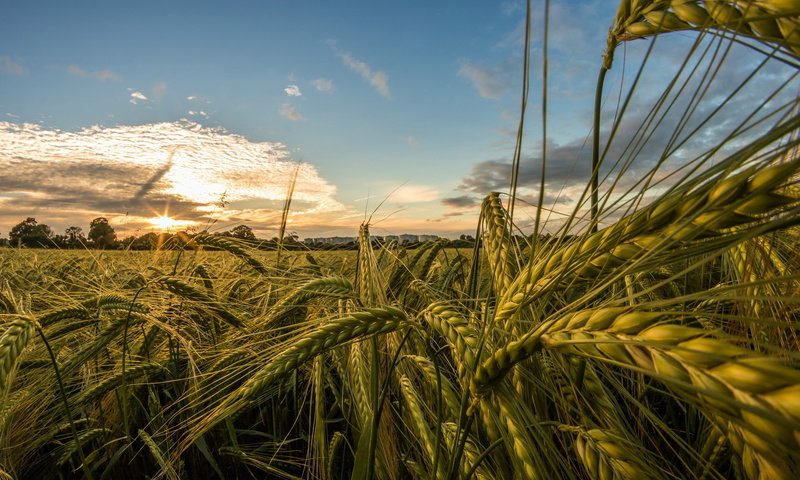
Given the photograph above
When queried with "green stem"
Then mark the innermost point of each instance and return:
(63, 395)
(598, 101)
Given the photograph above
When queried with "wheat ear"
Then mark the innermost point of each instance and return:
(12, 343)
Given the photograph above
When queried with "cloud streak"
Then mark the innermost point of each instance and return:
(102, 75)
(323, 85)
(491, 83)
(290, 112)
(378, 79)
(10, 67)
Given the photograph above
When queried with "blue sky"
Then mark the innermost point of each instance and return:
(148, 109)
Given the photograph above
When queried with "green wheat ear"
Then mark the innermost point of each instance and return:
(12, 343)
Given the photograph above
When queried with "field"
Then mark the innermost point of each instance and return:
(652, 334)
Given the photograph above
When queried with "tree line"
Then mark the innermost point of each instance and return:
(32, 234)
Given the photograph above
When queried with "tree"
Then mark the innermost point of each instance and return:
(101, 233)
(148, 241)
(30, 233)
(74, 237)
(243, 232)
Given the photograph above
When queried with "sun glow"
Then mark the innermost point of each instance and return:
(167, 223)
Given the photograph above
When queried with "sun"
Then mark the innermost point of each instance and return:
(167, 223)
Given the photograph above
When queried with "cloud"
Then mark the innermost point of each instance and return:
(293, 91)
(413, 194)
(10, 67)
(102, 75)
(11, 115)
(491, 82)
(290, 112)
(463, 201)
(323, 85)
(378, 79)
(134, 173)
(159, 90)
(511, 8)
(136, 97)
(655, 136)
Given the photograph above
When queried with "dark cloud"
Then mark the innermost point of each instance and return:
(462, 201)
(153, 180)
(660, 130)
(90, 185)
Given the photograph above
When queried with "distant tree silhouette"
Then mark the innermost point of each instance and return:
(30, 233)
(243, 232)
(101, 233)
(148, 241)
(73, 237)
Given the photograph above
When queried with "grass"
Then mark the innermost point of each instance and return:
(652, 334)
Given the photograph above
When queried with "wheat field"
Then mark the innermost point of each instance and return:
(653, 333)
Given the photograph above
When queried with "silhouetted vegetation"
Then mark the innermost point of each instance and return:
(31, 234)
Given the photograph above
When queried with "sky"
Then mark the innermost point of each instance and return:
(174, 115)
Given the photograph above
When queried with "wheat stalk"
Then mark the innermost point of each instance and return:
(498, 243)
(187, 291)
(666, 227)
(427, 438)
(329, 287)
(605, 455)
(12, 343)
(338, 332)
(772, 22)
(231, 246)
(118, 379)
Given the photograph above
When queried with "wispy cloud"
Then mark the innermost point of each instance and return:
(511, 7)
(159, 90)
(413, 194)
(490, 82)
(102, 75)
(293, 91)
(10, 67)
(323, 85)
(198, 99)
(137, 97)
(378, 79)
(197, 113)
(290, 112)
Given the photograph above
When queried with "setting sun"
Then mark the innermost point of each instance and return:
(167, 223)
